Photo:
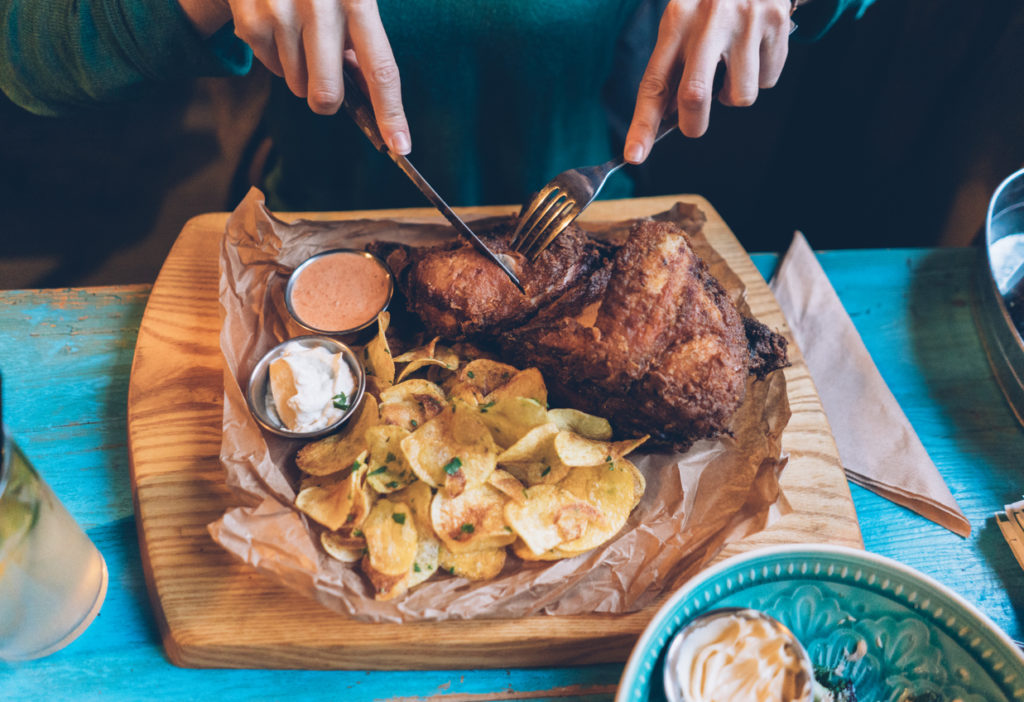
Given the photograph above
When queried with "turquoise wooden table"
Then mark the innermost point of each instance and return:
(66, 357)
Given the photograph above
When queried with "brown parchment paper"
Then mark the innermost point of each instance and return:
(695, 503)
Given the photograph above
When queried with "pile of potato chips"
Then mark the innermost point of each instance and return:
(447, 471)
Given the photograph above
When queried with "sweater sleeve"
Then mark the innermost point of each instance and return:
(59, 55)
(816, 17)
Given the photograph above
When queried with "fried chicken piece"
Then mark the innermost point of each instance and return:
(667, 353)
(458, 293)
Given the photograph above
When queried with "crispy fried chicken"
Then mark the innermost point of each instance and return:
(667, 353)
(643, 335)
(458, 293)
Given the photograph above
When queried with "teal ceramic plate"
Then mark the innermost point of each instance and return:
(894, 632)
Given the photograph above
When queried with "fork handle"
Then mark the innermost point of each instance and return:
(667, 125)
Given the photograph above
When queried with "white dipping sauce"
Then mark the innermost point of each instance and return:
(736, 658)
(304, 382)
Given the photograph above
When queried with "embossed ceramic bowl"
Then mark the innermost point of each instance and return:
(892, 631)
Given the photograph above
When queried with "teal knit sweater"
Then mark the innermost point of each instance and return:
(501, 95)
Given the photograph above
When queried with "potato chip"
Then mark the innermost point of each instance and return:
(362, 497)
(575, 450)
(534, 446)
(332, 500)
(418, 497)
(432, 354)
(411, 403)
(390, 535)
(611, 489)
(327, 500)
(385, 586)
(377, 358)
(453, 450)
(428, 551)
(347, 549)
(639, 481)
(474, 565)
(586, 425)
(387, 470)
(507, 484)
(375, 386)
(510, 418)
(481, 377)
(524, 383)
(532, 459)
(338, 451)
(550, 516)
(524, 552)
(474, 520)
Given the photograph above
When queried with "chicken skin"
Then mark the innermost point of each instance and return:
(666, 354)
(457, 293)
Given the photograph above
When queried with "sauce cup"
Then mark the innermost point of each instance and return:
(260, 400)
(339, 293)
(704, 632)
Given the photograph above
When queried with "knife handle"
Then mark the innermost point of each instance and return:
(361, 111)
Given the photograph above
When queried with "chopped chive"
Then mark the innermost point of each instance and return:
(508, 528)
(399, 517)
(547, 469)
(452, 466)
(468, 528)
(378, 471)
(486, 406)
(414, 423)
(416, 567)
(469, 374)
(341, 401)
(390, 458)
(392, 484)
(358, 533)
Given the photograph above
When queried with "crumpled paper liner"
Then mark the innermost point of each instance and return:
(717, 492)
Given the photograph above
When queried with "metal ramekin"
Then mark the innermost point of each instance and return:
(355, 335)
(258, 392)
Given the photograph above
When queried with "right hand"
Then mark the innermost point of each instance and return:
(306, 43)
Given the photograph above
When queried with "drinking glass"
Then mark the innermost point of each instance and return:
(52, 578)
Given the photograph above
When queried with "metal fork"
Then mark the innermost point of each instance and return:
(558, 203)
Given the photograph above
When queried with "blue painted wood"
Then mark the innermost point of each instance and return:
(66, 357)
(913, 308)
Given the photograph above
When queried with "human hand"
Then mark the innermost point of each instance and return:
(306, 43)
(751, 37)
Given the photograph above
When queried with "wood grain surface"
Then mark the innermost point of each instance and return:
(213, 611)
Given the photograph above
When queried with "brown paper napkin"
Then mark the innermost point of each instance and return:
(877, 445)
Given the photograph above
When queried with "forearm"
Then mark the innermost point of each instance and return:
(63, 54)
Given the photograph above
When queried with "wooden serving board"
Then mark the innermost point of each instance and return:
(214, 611)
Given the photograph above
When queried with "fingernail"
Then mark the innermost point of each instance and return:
(634, 153)
(400, 143)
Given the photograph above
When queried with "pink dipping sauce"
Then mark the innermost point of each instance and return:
(340, 291)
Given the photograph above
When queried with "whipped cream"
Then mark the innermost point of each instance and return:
(739, 658)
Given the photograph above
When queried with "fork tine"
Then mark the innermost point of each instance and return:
(541, 227)
(528, 219)
(553, 230)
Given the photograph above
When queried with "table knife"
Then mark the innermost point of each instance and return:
(359, 108)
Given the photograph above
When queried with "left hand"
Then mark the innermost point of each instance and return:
(751, 37)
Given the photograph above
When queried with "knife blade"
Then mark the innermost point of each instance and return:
(361, 111)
